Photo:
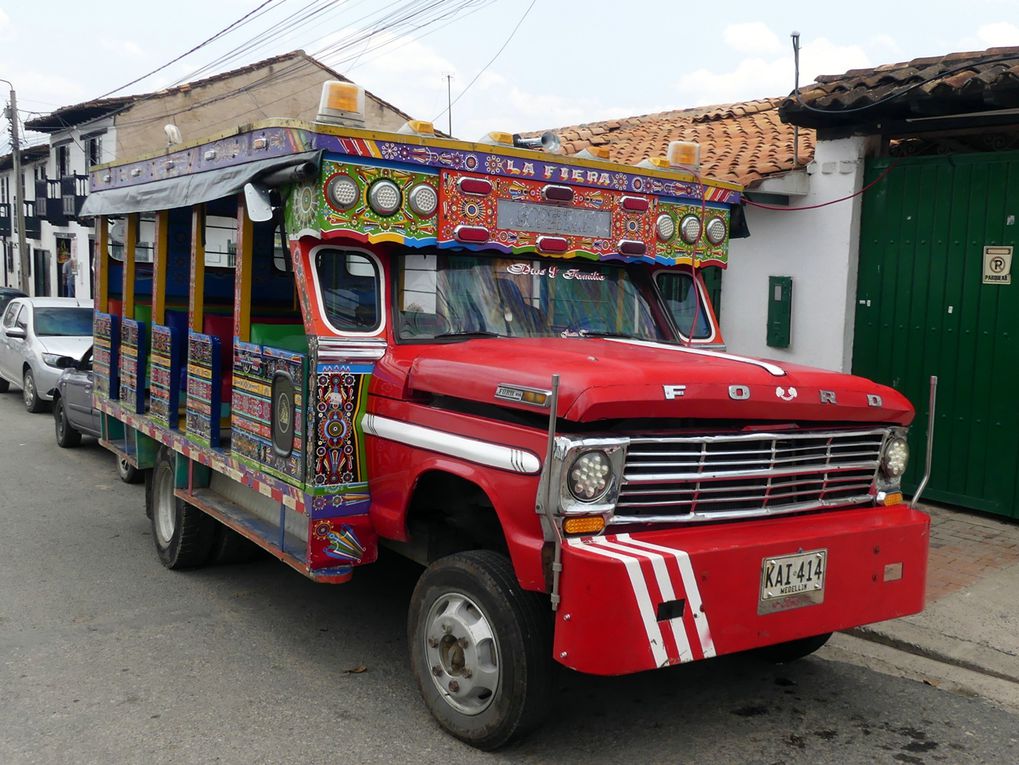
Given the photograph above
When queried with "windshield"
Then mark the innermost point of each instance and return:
(63, 321)
(463, 295)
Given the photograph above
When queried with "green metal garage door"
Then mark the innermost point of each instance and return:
(922, 309)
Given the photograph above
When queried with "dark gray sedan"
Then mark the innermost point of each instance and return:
(73, 413)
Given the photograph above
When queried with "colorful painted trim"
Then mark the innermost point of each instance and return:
(254, 368)
(105, 355)
(204, 392)
(541, 170)
(164, 388)
(134, 342)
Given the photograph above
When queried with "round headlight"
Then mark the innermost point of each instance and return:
(690, 228)
(715, 231)
(895, 458)
(423, 200)
(384, 197)
(665, 226)
(342, 192)
(589, 476)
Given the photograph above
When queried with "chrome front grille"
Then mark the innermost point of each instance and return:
(716, 477)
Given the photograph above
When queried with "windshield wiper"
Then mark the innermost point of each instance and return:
(623, 335)
(468, 335)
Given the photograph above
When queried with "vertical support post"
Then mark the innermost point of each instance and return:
(242, 272)
(160, 251)
(130, 243)
(101, 289)
(196, 297)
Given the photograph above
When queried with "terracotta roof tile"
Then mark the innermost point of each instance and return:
(961, 82)
(741, 143)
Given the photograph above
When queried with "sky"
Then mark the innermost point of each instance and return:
(561, 63)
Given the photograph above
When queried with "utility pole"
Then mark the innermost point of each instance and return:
(19, 188)
(449, 103)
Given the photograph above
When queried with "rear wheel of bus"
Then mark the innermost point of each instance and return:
(183, 534)
(480, 648)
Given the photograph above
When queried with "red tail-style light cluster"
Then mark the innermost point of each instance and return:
(557, 193)
(632, 247)
(553, 244)
(634, 204)
(472, 234)
(477, 187)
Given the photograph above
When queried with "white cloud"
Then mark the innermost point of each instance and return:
(761, 76)
(121, 47)
(6, 27)
(752, 38)
(998, 34)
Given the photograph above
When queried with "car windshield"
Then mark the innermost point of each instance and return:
(443, 296)
(76, 322)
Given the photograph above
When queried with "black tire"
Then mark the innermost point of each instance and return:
(443, 653)
(67, 436)
(128, 473)
(4, 385)
(30, 393)
(229, 547)
(182, 533)
(783, 653)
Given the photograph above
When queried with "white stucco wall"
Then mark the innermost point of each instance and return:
(818, 249)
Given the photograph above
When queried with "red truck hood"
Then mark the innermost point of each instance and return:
(605, 379)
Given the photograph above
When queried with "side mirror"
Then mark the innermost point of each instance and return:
(15, 332)
(256, 199)
(66, 362)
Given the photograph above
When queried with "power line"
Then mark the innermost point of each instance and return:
(220, 33)
(490, 62)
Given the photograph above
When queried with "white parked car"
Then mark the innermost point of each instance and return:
(35, 334)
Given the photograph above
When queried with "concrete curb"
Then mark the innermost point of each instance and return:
(929, 644)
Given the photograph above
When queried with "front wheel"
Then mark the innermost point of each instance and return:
(480, 648)
(33, 403)
(67, 436)
(183, 534)
(128, 473)
(783, 653)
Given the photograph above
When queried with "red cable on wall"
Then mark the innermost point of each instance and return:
(783, 208)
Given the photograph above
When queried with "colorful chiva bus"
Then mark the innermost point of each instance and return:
(502, 363)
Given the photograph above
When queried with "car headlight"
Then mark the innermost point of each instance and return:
(590, 476)
(894, 458)
(51, 359)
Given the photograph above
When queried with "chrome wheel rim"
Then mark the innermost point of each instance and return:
(166, 508)
(60, 420)
(28, 390)
(462, 653)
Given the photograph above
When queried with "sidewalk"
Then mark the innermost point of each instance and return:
(972, 614)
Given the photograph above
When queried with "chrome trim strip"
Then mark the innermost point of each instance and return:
(470, 449)
(722, 475)
(771, 369)
(619, 520)
(343, 348)
(770, 435)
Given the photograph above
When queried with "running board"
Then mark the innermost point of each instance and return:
(284, 546)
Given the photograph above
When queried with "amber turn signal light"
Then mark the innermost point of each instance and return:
(588, 524)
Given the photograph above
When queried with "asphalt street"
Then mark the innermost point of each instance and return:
(107, 657)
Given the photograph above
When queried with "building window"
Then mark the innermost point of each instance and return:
(63, 160)
(4, 190)
(94, 150)
(40, 172)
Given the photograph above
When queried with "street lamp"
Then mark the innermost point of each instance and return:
(19, 187)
